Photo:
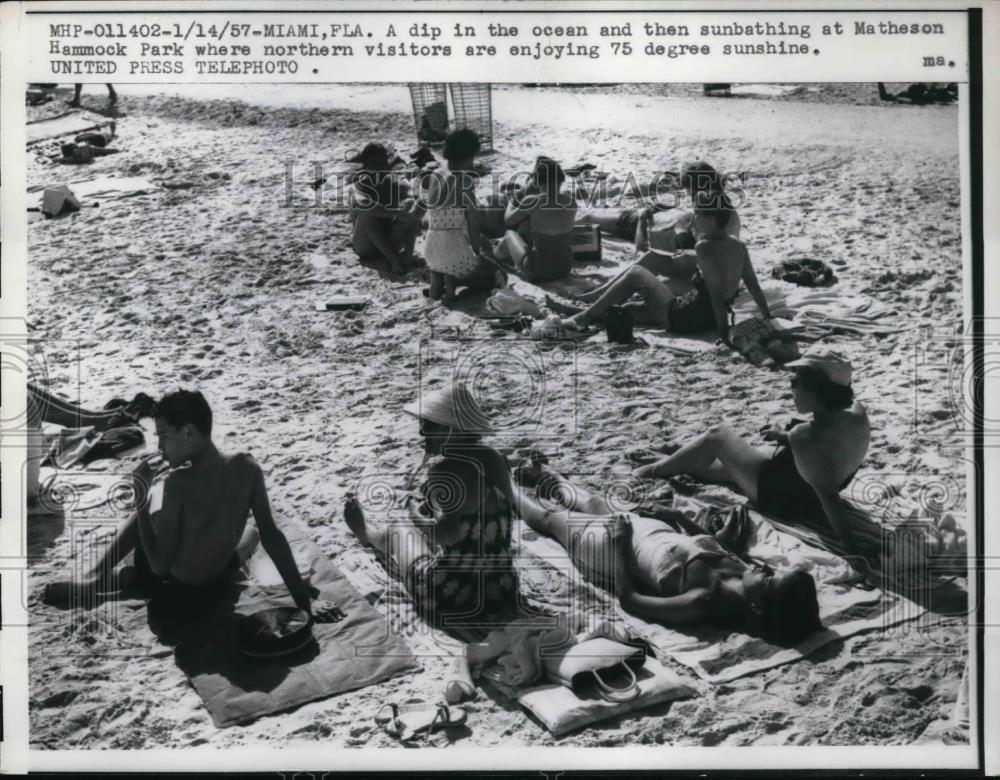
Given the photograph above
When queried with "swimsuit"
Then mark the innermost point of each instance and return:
(447, 249)
(472, 579)
(692, 312)
(783, 492)
(177, 594)
(660, 555)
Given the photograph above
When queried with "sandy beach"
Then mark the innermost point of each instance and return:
(210, 281)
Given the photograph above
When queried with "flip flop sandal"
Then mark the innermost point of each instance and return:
(410, 720)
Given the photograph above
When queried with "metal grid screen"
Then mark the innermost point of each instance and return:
(474, 110)
(430, 112)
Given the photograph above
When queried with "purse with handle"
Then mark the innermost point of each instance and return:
(606, 664)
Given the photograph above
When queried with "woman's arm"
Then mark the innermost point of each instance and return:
(690, 607)
(519, 208)
(815, 469)
(753, 286)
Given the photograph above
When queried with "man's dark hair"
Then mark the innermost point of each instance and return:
(833, 396)
(182, 407)
(548, 172)
(371, 151)
(461, 144)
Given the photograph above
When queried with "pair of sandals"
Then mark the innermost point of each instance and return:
(407, 721)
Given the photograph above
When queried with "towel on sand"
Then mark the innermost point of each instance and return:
(717, 655)
(71, 123)
(356, 652)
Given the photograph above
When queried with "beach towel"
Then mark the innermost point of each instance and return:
(351, 654)
(109, 187)
(80, 446)
(717, 655)
(72, 123)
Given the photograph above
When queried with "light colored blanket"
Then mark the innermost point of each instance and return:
(69, 124)
(716, 655)
(109, 187)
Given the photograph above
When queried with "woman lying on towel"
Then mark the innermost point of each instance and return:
(722, 261)
(813, 461)
(453, 552)
(664, 574)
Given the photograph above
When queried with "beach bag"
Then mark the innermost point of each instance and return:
(604, 666)
(618, 323)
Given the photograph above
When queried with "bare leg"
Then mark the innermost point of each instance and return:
(402, 541)
(404, 235)
(112, 95)
(636, 278)
(77, 89)
(717, 456)
(376, 232)
(517, 247)
(437, 286)
(46, 407)
(449, 288)
(681, 265)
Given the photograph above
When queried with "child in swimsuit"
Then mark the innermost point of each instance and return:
(453, 237)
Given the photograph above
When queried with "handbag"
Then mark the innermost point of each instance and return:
(618, 323)
(606, 664)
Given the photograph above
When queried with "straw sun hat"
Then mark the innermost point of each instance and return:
(454, 407)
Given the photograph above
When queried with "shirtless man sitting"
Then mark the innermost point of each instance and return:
(191, 532)
(386, 219)
(666, 574)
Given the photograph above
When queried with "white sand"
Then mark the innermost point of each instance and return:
(213, 286)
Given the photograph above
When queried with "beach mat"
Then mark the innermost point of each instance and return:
(70, 124)
(356, 652)
(110, 187)
(717, 655)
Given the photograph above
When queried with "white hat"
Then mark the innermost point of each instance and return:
(828, 362)
(454, 407)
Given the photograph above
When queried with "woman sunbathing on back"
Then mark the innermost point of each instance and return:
(666, 575)
(723, 262)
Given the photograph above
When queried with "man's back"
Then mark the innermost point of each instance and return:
(214, 499)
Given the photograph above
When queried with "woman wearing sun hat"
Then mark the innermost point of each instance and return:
(454, 552)
(814, 460)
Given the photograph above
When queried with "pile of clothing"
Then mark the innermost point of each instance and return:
(805, 272)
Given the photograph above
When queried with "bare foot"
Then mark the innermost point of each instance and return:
(459, 686)
(66, 593)
(354, 516)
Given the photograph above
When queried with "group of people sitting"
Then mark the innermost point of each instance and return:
(699, 249)
(454, 552)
